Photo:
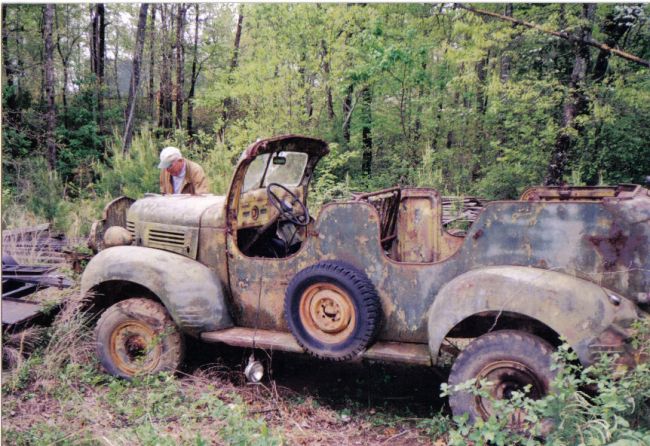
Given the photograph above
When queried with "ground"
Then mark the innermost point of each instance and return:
(61, 396)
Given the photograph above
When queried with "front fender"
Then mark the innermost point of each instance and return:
(576, 309)
(190, 291)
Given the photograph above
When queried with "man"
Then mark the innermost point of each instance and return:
(180, 176)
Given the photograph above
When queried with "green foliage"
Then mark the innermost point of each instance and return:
(78, 136)
(615, 410)
(132, 174)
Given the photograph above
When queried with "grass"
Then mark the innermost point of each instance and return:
(59, 395)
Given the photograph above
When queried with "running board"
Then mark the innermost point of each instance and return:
(282, 341)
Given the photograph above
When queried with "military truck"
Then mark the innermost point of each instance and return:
(376, 277)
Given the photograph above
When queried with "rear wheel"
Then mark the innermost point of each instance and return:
(510, 361)
(137, 336)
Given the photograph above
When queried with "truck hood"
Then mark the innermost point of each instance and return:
(179, 210)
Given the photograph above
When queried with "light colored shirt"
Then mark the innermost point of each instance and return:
(178, 181)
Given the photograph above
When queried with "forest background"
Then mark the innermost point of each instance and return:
(421, 94)
(439, 95)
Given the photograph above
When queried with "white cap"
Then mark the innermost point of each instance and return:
(167, 156)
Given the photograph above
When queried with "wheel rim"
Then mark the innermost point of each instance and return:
(134, 347)
(507, 377)
(327, 313)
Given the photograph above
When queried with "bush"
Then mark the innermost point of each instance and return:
(614, 410)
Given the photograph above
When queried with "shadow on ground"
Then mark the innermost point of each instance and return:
(396, 389)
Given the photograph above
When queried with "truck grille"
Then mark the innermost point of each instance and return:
(130, 226)
(179, 240)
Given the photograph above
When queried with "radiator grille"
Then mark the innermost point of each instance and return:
(130, 226)
(166, 238)
(181, 240)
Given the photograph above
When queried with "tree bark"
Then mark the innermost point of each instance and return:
(152, 39)
(506, 59)
(194, 75)
(48, 63)
(328, 87)
(614, 30)
(180, 64)
(11, 111)
(165, 109)
(115, 69)
(234, 61)
(135, 78)
(366, 130)
(347, 112)
(98, 56)
(576, 103)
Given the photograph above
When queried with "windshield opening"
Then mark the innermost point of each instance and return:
(289, 172)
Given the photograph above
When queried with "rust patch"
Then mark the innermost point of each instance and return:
(616, 247)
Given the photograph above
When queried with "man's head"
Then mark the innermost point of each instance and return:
(172, 160)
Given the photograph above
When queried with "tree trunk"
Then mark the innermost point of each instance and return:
(135, 78)
(366, 130)
(98, 56)
(11, 111)
(194, 76)
(328, 87)
(506, 59)
(115, 68)
(575, 104)
(165, 109)
(180, 64)
(347, 113)
(48, 64)
(234, 61)
(152, 39)
(614, 29)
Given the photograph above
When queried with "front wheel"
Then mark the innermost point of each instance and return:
(137, 336)
(510, 361)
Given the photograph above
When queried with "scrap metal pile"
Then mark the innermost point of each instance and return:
(44, 253)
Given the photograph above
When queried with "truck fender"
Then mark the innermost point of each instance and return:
(576, 309)
(191, 292)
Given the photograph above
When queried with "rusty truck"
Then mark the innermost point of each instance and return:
(375, 277)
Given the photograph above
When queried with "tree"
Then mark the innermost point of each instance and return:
(98, 56)
(180, 64)
(135, 78)
(48, 63)
(576, 103)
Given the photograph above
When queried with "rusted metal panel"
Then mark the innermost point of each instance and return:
(16, 311)
(283, 341)
(114, 214)
(418, 227)
(573, 307)
(247, 337)
(399, 352)
(191, 292)
(578, 193)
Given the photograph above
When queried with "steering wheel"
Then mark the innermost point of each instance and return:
(286, 209)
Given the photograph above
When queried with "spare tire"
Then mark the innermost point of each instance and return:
(332, 310)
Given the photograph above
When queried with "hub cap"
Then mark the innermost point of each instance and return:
(135, 348)
(507, 377)
(327, 313)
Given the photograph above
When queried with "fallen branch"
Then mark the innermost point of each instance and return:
(560, 34)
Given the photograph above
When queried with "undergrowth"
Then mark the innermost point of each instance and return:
(603, 404)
